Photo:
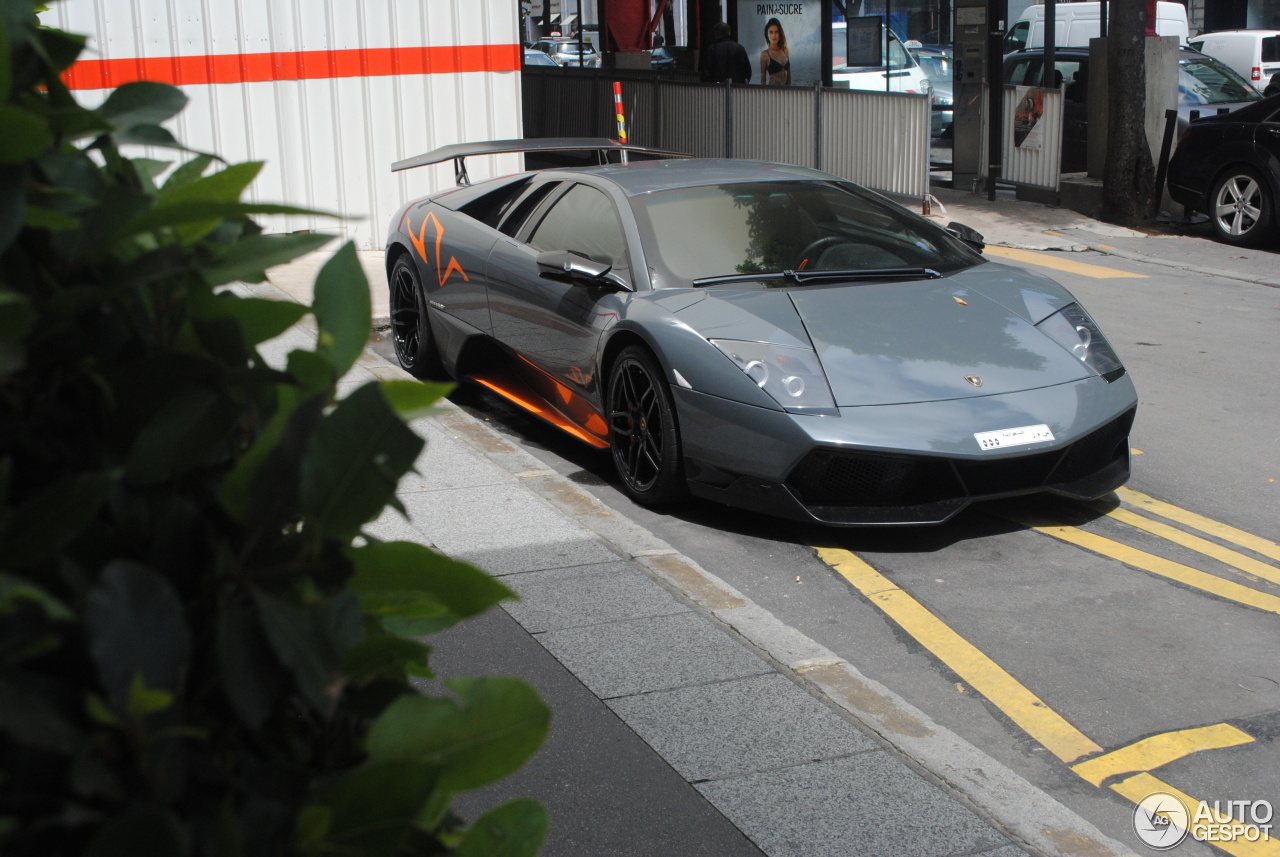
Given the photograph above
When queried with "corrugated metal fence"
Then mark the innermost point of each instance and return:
(1037, 166)
(880, 140)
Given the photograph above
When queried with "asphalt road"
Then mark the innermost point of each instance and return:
(1040, 632)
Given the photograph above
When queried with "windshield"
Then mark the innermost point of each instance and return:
(1204, 80)
(768, 227)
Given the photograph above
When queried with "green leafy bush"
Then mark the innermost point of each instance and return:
(200, 653)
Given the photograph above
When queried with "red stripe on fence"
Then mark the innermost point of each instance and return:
(292, 65)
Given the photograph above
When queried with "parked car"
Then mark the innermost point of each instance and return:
(937, 65)
(569, 52)
(1229, 168)
(898, 71)
(1252, 54)
(538, 58)
(767, 336)
(1204, 85)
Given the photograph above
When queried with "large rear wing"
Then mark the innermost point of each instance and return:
(459, 152)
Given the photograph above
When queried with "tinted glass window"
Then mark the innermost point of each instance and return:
(1204, 80)
(1023, 72)
(521, 207)
(1271, 49)
(766, 227)
(583, 221)
(1016, 39)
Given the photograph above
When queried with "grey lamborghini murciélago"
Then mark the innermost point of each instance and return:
(767, 336)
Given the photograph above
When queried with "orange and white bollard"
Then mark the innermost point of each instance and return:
(622, 119)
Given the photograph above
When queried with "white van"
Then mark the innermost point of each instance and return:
(1076, 23)
(1252, 54)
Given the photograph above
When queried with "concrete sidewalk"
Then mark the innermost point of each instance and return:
(689, 720)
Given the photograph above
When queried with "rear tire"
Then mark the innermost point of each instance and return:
(643, 434)
(1241, 208)
(410, 327)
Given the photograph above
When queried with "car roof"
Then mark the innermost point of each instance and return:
(640, 177)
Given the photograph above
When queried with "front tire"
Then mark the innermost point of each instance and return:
(410, 327)
(643, 434)
(1241, 208)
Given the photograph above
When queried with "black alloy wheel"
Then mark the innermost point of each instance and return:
(1241, 208)
(410, 328)
(642, 430)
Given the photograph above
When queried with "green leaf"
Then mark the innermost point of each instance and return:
(351, 470)
(144, 701)
(515, 829)
(16, 315)
(173, 214)
(312, 372)
(312, 826)
(46, 218)
(248, 260)
(374, 807)
(236, 490)
(495, 727)
(189, 432)
(13, 203)
(413, 399)
(226, 185)
(185, 174)
(26, 134)
(6, 57)
(311, 642)
(259, 319)
(52, 519)
(342, 308)
(386, 656)
(139, 832)
(420, 575)
(135, 626)
(98, 710)
(14, 590)
(29, 717)
(250, 673)
(142, 102)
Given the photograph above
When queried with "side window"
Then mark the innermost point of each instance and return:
(583, 221)
(1024, 73)
(1016, 39)
(522, 207)
(898, 57)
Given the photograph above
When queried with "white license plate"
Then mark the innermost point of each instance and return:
(1005, 438)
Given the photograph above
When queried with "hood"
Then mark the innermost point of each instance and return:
(897, 343)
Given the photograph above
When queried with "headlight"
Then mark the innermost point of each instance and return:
(1072, 328)
(792, 376)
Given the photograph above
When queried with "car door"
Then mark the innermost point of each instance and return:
(554, 323)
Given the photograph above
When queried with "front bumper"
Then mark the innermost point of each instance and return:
(906, 464)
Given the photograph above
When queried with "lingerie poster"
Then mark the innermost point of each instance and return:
(783, 41)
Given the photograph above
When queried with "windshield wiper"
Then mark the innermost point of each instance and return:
(802, 277)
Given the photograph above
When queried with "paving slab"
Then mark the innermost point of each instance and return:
(731, 728)
(864, 804)
(565, 598)
(651, 654)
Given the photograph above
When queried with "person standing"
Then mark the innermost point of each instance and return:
(724, 59)
(775, 60)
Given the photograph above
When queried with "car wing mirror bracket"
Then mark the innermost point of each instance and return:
(968, 235)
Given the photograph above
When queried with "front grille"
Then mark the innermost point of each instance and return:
(835, 479)
(831, 478)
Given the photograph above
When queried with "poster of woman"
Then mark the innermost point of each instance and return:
(784, 41)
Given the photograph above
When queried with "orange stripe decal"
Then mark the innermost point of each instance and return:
(292, 65)
(420, 244)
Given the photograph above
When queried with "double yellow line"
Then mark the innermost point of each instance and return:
(1125, 770)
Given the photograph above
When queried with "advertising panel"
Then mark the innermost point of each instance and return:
(783, 41)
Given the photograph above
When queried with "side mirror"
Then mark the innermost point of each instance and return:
(968, 235)
(565, 265)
